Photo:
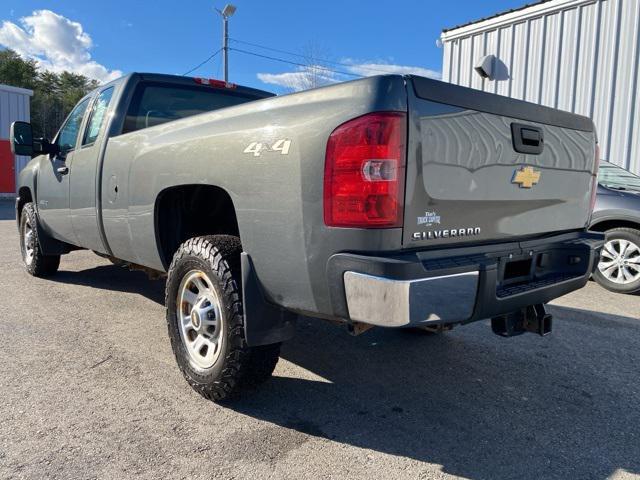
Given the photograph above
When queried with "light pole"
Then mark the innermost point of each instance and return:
(226, 12)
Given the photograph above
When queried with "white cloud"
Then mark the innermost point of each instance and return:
(303, 78)
(372, 68)
(56, 43)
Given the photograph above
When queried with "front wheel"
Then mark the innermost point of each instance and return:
(619, 266)
(205, 319)
(35, 262)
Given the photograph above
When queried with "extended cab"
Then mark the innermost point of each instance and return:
(394, 201)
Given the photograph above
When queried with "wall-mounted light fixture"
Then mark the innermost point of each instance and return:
(484, 66)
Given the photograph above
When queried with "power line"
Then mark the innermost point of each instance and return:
(293, 63)
(218, 67)
(378, 70)
(282, 60)
(201, 64)
(277, 50)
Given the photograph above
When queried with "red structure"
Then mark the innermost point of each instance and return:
(14, 105)
(7, 168)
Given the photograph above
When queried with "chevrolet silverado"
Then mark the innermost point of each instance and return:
(391, 201)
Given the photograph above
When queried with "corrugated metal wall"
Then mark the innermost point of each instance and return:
(14, 106)
(577, 55)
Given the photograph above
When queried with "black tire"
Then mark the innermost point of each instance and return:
(630, 235)
(35, 262)
(237, 365)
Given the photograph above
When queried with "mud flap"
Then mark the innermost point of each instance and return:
(50, 245)
(264, 323)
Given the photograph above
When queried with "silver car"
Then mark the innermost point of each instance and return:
(617, 214)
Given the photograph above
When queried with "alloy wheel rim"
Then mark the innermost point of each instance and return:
(200, 319)
(28, 243)
(620, 261)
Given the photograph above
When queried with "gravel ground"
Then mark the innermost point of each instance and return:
(89, 389)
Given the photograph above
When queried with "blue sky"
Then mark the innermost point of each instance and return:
(104, 38)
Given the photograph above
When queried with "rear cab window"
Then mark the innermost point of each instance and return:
(154, 103)
(97, 116)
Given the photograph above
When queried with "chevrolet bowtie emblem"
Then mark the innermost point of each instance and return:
(526, 177)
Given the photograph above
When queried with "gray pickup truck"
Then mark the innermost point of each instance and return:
(393, 201)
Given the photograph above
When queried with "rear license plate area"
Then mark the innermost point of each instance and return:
(515, 271)
(537, 269)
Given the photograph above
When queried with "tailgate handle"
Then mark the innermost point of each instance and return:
(527, 138)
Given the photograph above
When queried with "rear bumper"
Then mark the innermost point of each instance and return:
(460, 285)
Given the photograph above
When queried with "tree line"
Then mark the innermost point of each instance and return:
(54, 94)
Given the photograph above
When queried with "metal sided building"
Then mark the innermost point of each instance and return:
(14, 105)
(577, 55)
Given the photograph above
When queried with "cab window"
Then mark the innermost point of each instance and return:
(69, 132)
(156, 103)
(98, 115)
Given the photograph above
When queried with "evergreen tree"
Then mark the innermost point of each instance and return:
(54, 94)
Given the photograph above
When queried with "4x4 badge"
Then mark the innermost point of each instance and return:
(526, 177)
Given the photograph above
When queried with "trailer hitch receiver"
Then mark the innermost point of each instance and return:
(533, 318)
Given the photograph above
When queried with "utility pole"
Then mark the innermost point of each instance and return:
(225, 13)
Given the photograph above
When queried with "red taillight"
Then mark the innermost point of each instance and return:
(364, 172)
(594, 182)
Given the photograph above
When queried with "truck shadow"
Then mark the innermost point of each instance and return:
(119, 279)
(482, 407)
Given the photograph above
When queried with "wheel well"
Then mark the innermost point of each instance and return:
(190, 211)
(25, 197)
(609, 224)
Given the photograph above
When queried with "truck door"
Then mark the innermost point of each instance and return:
(84, 175)
(53, 178)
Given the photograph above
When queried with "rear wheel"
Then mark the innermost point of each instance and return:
(205, 319)
(619, 266)
(35, 262)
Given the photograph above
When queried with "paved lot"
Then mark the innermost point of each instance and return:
(89, 389)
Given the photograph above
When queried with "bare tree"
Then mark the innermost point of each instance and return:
(314, 73)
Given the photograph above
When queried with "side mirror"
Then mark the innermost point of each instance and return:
(42, 145)
(21, 135)
(23, 143)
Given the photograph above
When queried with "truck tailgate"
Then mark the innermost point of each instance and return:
(483, 167)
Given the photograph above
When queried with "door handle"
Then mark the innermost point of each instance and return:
(530, 137)
(62, 170)
(527, 138)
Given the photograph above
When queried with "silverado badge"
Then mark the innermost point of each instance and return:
(526, 177)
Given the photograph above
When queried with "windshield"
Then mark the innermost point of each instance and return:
(612, 176)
